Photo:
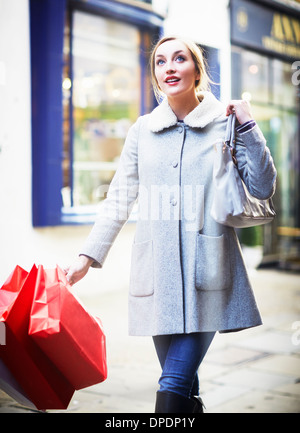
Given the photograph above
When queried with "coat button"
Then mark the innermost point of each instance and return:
(173, 202)
(174, 164)
(180, 129)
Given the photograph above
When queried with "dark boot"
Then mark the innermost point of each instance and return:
(170, 402)
(199, 404)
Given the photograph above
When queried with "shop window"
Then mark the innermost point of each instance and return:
(266, 82)
(106, 89)
(90, 82)
(252, 72)
(285, 94)
(106, 101)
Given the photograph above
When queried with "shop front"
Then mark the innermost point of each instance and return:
(90, 82)
(265, 40)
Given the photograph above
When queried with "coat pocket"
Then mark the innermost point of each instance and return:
(141, 278)
(212, 263)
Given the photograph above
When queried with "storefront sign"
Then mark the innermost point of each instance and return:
(258, 27)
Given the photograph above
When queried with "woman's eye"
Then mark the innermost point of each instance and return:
(160, 62)
(180, 59)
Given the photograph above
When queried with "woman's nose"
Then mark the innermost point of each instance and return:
(170, 69)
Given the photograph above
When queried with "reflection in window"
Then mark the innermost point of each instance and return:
(267, 83)
(285, 94)
(106, 91)
(251, 70)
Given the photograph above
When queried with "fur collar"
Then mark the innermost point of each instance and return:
(207, 111)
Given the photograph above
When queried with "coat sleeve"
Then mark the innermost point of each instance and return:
(255, 163)
(114, 211)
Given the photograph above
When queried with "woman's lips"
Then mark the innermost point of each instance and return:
(171, 81)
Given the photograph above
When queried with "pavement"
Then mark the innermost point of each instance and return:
(252, 371)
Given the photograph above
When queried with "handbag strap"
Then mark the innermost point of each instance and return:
(230, 131)
(230, 136)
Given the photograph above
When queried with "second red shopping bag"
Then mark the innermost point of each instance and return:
(72, 338)
(31, 372)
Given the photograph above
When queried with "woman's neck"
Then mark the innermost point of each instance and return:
(183, 106)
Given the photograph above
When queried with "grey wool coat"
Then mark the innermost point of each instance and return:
(187, 271)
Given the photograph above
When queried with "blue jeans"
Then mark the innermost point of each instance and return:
(180, 356)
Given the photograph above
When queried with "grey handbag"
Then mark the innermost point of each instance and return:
(232, 204)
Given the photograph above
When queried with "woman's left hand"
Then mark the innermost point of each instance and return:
(78, 270)
(242, 110)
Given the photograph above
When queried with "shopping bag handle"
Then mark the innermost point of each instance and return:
(230, 131)
(62, 277)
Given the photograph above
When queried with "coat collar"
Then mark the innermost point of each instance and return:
(209, 109)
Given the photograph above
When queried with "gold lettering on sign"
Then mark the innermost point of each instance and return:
(277, 30)
(288, 29)
(242, 20)
(285, 36)
(281, 47)
(296, 28)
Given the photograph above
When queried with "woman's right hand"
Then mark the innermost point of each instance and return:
(78, 269)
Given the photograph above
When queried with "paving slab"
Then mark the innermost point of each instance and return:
(259, 402)
(220, 395)
(255, 379)
(282, 364)
(271, 341)
(232, 356)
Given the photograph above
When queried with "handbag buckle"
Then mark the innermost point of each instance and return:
(232, 151)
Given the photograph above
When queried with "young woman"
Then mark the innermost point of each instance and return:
(188, 279)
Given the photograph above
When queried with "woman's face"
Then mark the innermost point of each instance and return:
(175, 69)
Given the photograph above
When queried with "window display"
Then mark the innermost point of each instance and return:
(102, 99)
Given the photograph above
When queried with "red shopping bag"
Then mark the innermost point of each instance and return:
(40, 380)
(72, 338)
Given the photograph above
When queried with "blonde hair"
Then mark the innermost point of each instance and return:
(200, 64)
